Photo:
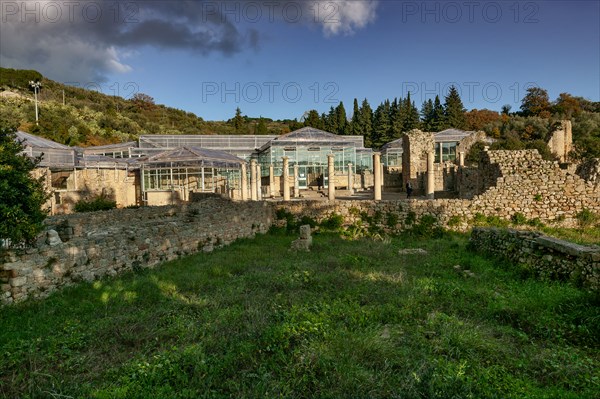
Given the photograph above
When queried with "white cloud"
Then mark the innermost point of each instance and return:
(346, 16)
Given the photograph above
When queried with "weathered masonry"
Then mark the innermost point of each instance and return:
(547, 257)
(94, 245)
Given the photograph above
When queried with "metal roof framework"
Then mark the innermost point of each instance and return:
(308, 136)
(191, 157)
(52, 154)
(450, 135)
(213, 142)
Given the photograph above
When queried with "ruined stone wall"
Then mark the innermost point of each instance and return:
(547, 257)
(589, 170)
(522, 182)
(465, 144)
(118, 185)
(445, 176)
(416, 145)
(107, 243)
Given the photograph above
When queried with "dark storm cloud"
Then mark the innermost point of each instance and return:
(81, 40)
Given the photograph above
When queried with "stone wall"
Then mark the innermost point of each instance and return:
(98, 244)
(70, 186)
(416, 145)
(522, 182)
(547, 257)
(589, 170)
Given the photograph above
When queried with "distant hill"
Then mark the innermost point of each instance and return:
(88, 117)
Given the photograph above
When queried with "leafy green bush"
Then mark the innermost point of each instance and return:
(454, 221)
(586, 218)
(333, 222)
(307, 220)
(97, 204)
(518, 219)
(479, 219)
(427, 227)
(411, 217)
(392, 219)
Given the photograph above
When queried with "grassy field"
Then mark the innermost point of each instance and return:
(350, 319)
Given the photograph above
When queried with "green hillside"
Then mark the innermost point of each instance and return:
(88, 117)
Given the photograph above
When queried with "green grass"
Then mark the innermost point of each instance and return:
(349, 319)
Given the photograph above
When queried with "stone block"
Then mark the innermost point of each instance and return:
(18, 281)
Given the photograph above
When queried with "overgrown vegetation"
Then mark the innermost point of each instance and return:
(348, 319)
(99, 203)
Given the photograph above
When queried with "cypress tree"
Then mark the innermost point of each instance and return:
(357, 129)
(366, 120)
(342, 121)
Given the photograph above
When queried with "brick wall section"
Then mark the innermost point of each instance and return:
(107, 243)
(548, 257)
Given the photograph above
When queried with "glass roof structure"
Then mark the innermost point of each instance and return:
(213, 142)
(191, 156)
(451, 135)
(308, 136)
(52, 154)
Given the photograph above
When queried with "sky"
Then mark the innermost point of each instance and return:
(279, 58)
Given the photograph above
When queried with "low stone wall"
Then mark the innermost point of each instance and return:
(392, 216)
(548, 257)
(93, 245)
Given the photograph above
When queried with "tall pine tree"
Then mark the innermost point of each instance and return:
(411, 115)
(396, 118)
(381, 124)
(357, 128)
(438, 122)
(427, 115)
(454, 111)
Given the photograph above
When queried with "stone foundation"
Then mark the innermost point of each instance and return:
(547, 257)
(101, 244)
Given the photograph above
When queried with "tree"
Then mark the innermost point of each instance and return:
(536, 103)
(567, 106)
(427, 115)
(342, 119)
(438, 121)
(366, 120)
(313, 119)
(381, 124)
(355, 123)
(477, 119)
(21, 195)
(261, 127)
(238, 120)
(411, 115)
(454, 111)
(396, 118)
